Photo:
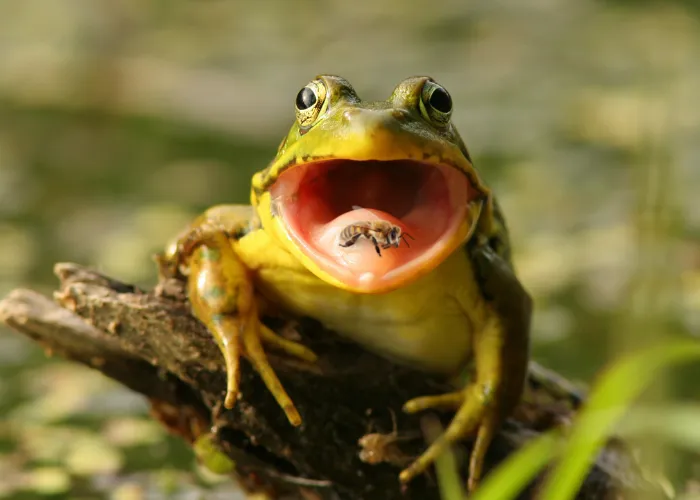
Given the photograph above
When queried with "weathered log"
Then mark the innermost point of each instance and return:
(149, 342)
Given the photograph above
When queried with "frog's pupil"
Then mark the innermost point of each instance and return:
(305, 98)
(440, 100)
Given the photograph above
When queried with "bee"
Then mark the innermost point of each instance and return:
(381, 233)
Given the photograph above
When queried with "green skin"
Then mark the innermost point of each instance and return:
(239, 259)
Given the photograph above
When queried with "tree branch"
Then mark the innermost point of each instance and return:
(149, 342)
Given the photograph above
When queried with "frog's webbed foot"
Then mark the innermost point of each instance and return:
(222, 296)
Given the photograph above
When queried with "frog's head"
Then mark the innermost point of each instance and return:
(346, 161)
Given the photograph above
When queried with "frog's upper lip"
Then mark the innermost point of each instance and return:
(435, 203)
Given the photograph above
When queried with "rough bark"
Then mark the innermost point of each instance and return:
(149, 342)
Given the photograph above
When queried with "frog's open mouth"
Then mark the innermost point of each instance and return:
(435, 204)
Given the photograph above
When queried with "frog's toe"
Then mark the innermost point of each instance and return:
(484, 436)
(251, 337)
(287, 346)
(472, 418)
(448, 401)
(225, 330)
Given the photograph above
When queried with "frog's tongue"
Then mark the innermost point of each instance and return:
(317, 201)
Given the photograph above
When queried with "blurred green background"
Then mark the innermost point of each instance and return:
(122, 119)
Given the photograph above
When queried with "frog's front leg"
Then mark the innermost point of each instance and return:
(222, 296)
(501, 359)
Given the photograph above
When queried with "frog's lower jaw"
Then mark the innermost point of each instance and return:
(434, 204)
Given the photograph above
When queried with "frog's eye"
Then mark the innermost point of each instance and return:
(435, 103)
(310, 102)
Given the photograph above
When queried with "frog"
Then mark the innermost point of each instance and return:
(447, 303)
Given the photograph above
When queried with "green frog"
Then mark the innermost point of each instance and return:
(372, 220)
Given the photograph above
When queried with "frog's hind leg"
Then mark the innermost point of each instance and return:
(222, 296)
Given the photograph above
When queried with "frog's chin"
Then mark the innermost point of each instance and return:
(434, 205)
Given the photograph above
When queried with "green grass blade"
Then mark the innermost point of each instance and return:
(607, 404)
(515, 473)
(449, 480)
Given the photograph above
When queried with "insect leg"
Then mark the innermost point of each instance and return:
(376, 245)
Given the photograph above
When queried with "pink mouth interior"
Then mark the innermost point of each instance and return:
(318, 200)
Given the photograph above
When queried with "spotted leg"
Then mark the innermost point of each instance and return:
(222, 296)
